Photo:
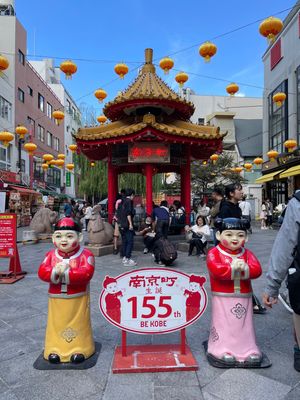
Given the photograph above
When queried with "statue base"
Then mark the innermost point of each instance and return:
(99, 251)
(42, 364)
(216, 362)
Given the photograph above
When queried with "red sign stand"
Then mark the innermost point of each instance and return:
(9, 249)
(153, 358)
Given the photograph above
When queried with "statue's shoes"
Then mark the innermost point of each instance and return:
(228, 358)
(54, 358)
(77, 358)
(254, 358)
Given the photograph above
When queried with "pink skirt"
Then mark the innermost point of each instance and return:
(232, 328)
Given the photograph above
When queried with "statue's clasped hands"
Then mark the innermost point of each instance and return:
(238, 265)
(60, 268)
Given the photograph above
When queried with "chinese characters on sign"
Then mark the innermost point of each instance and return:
(153, 300)
(8, 235)
(148, 152)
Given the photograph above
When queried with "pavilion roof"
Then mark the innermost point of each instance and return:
(125, 128)
(148, 88)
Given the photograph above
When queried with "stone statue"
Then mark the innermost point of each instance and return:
(100, 232)
(43, 220)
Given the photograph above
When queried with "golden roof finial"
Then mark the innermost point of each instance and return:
(148, 66)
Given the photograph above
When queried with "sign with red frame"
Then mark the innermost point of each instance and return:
(144, 152)
(8, 235)
(153, 300)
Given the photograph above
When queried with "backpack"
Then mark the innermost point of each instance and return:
(293, 279)
(167, 250)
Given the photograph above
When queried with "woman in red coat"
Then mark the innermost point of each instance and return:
(231, 268)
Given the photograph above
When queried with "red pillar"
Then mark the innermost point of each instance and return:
(111, 189)
(148, 173)
(182, 185)
(187, 184)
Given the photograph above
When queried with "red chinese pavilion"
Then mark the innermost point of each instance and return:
(150, 132)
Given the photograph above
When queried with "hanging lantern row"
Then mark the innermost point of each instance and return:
(121, 69)
(181, 78)
(6, 137)
(248, 167)
(45, 167)
(4, 64)
(258, 161)
(166, 64)
(21, 131)
(207, 50)
(232, 89)
(101, 119)
(61, 156)
(290, 144)
(214, 158)
(238, 169)
(69, 68)
(58, 116)
(272, 154)
(100, 94)
(70, 167)
(30, 148)
(270, 28)
(279, 98)
(73, 148)
(47, 158)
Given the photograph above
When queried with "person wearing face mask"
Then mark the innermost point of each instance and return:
(148, 234)
(231, 268)
(68, 269)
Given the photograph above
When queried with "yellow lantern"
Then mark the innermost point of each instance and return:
(52, 163)
(48, 158)
(101, 119)
(61, 156)
(290, 144)
(58, 116)
(248, 167)
(238, 169)
(60, 163)
(279, 98)
(121, 69)
(70, 167)
(4, 63)
(258, 161)
(69, 68)
(30, 148)
(272, 154)
(166, 64)
(214, 158)
(207, 50)
(181, 78)
(270, 28)
(6, 137)
(232, 89)
(92, 163)
(100, 94)
(73, 147)
(21, 131)
(45, 167)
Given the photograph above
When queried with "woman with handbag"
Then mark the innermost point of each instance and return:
(198, 235)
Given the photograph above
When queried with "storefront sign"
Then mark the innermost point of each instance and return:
(68, 179)
(10, 177)
(153, 300)
(8, 235)
(148, 153)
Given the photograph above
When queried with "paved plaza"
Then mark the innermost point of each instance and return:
(23, 314)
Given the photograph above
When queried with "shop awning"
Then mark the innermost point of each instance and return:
(291, 172)
(22, 189)
(268, 177)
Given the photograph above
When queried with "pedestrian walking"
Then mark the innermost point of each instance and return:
(87, 215)
(285, 261)
(125, 221)
(161, 218)
(269, 207)
(245, 206)
(263, 216)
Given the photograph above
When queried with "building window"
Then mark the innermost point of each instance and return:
(38, 172)
(200, 121)
(278, 119)
(56, 144)
(49, 110)
(21, 95)
(53, 177)
(31, 126)
(41, 102)
(21, 57)
(29, 91)
(5, 109)
(49, 139)
(5, 157)
(73, 112)
(68, 107)
(41, 134)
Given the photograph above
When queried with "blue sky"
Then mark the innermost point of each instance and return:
(116, 31)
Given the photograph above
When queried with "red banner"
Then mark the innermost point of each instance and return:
(8, 235)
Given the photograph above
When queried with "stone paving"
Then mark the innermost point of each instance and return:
(23, 314)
